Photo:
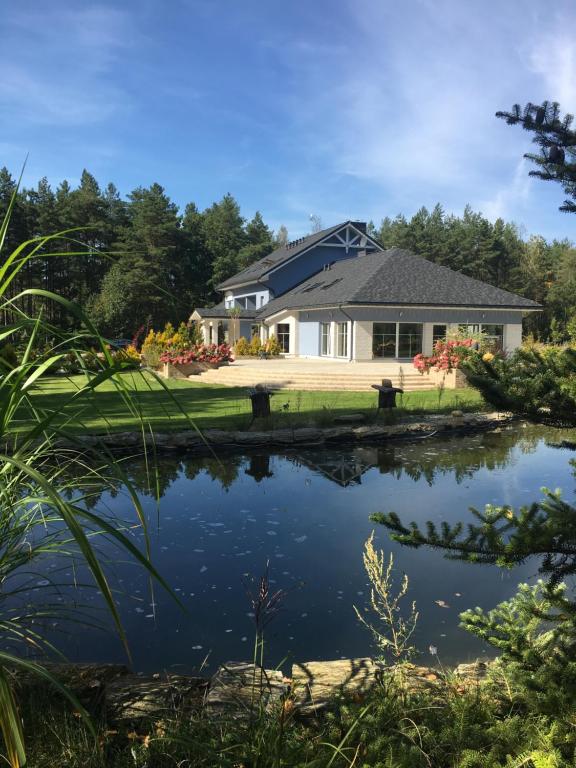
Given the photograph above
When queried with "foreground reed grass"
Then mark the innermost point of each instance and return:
(46, 490)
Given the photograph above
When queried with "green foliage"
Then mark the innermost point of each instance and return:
(46, 484)
(537, 383)
(272, 346)
(536, 630)
(255, 345)
(535, 633)
(469, 729)
(242, 347)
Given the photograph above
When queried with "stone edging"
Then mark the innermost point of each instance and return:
(205, 442)
(129, 699)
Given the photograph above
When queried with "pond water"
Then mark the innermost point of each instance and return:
(307, 513)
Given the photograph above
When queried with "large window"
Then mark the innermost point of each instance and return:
(396, 340)
(438, 333)
(409, 339)
(494, 335)
(283, 331)
(384, 340)
(325, 339)
(342, 339)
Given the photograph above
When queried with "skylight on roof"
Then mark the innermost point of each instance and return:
(329, 285)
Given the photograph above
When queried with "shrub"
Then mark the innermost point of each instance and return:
(272, 346)
(535, 382)
(242, 348)
(255, 346)
(446, 356)
(157, 343)
(130, 355)
(203, 353)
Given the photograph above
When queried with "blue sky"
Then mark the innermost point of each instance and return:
(341, 108)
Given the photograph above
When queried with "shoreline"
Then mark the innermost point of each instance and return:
(205, 442)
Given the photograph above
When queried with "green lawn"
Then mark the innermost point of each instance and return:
(217, 406)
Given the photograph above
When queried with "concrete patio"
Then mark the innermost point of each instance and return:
(317, 374)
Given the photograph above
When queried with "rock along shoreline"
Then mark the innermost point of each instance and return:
(211, 440)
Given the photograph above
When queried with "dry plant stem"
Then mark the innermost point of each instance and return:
(393, 632)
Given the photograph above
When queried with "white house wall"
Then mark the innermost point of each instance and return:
(262, 297)
(291, 320)
(309, 339)
(512, 336)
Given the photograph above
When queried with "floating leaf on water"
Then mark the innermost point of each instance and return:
(442, 603)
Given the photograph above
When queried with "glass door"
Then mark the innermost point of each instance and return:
(384, 339)
(283, 330)
(342, 339)
(409, 339)
(325, 339)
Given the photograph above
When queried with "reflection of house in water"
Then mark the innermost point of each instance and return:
(259, 467)
(347, 467)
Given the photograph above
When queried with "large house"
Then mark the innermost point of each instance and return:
(337, 294)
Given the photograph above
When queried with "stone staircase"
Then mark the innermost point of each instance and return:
(349, 378)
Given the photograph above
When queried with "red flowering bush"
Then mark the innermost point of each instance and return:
(200, 353)
(446, 356)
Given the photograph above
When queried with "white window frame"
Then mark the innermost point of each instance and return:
(328, 337)
(341, 326)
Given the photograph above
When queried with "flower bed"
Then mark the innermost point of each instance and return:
(212, 355)
(447, 355)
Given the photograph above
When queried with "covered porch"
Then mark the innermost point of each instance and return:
(219, 325)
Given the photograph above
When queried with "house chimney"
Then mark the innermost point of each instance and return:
(361, 225)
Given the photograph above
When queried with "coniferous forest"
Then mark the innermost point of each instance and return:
(144, 262)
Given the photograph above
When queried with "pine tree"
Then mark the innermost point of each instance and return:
(198, 257)
(553, 134)
(259, 242)
(225, 236)
(145, 281)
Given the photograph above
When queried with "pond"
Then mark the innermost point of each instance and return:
(306, 512)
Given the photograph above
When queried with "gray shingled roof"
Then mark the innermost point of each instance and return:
(222, 312)
(257, 270)
(394, 276)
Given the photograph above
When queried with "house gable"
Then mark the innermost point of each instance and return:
(296, 261)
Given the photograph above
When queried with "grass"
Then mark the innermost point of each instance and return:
(214, 406)
(457, 728)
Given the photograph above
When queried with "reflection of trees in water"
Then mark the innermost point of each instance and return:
(431, 458)
(426, 459)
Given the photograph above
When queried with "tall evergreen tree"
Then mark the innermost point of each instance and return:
(145, 280)
(198, 256)
(225, 236)
(259, 243)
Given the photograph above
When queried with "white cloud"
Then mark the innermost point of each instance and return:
(511, 197)
(56, 64)
(554, 58)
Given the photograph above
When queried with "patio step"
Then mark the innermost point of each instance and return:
(306, 380)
